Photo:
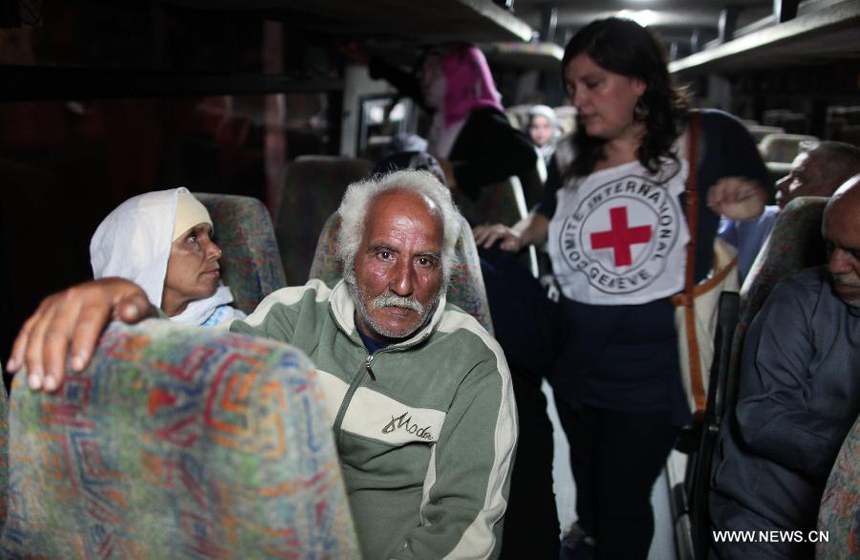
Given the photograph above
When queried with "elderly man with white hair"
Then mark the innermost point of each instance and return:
(420, 395)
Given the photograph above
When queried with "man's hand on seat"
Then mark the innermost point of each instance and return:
(74, 317)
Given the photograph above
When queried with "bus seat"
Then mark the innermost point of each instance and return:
(773, 117)
(783, 147)
(566, 116)
(760, 131)
(466, 289)
(4, 448)
(518, 116)
(776, 170)
(794, 244)
(697, 476)
(839, 513)
(795, 123)
(251, 265)
(177, 442)
(851, 134)
(313, 188)
(499, 203)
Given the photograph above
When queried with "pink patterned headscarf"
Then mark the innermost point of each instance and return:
(469, 83)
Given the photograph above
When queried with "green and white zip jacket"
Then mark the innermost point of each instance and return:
(425, 429)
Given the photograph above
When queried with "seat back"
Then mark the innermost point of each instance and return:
(4, 448)
(465, 290)
(499, 203)
(700, 463)
(313, 188)
(839, 514)
(795, 243)
(783, 147)
(251, 264)
(177, 442)
(758, 132)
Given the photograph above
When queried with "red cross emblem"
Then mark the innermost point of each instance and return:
(620, 237)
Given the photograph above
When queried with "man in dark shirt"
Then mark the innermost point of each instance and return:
(799, 395)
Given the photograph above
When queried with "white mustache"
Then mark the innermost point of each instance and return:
(390, 300)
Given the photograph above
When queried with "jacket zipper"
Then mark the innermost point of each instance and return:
(347, 398)
(364, 370)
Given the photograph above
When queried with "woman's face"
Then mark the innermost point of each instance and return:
(540, 130)
(604, 100)
(433, 81)
(192, 270)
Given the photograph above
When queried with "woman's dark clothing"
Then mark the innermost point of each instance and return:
(523, 319)
(487, 150)
(617, 381)
(616, 457)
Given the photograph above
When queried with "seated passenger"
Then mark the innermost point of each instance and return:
(799, 395)
(543, 130)
(162, 241)
(419, 393)
(816, 172)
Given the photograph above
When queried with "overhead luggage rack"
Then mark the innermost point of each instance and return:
(421, 22)
(821, 35)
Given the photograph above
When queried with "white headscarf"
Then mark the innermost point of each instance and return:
(134, 242)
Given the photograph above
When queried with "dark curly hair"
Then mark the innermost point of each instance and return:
(624, 47)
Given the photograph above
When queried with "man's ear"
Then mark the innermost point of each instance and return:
(639, 86)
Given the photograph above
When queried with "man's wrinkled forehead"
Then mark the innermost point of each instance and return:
(408, 205)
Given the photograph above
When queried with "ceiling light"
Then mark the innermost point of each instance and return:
(642, 17)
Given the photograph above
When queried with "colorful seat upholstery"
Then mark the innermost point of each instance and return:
(313, 188)
(783, 147)
(465, 290)
(177, 442)
(251, 264)
(839, 514)
(4, 448)
(794, 244)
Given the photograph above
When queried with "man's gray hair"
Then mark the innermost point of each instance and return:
(356, 203)
(840, 160)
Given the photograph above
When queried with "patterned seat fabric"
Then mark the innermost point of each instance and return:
(251, 265)
(839, 514)
(313, 188)
(783, 147)
(4, 449)
(177, 442)
(794, 244)
(465, 290)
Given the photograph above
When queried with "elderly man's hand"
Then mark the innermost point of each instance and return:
(736, 198)
(487, 235)
(76, 318)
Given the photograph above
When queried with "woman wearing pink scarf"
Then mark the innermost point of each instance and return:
(470, 135)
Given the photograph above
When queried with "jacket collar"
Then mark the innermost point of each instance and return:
(343, 310)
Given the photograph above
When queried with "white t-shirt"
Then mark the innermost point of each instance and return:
(618, 236)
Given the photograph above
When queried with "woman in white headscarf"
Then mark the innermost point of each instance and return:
(162, 240)
(543, 130)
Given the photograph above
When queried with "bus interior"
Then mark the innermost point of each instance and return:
(102, 100)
